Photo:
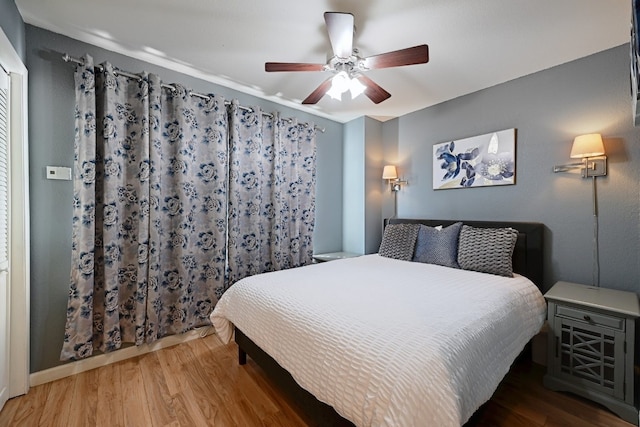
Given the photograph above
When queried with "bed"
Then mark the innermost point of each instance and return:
(379, 341)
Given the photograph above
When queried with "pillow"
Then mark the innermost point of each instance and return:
(488, 250)
(398, 241)
(438, 245)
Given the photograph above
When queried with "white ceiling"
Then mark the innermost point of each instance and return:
(473, 44)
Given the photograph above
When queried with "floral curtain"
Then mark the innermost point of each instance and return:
(271, 193)
(176, 197)
(149, 214)
(188, 209)
(107, 297)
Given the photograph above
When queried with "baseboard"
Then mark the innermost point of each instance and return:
(72, 368)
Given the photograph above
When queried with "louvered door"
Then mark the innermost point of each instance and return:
(4, 238)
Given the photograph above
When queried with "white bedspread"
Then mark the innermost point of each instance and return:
(388, 342)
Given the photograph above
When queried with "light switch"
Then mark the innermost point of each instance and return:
(59, 172)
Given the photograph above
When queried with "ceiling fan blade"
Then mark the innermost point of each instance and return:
(292, 66)
(340, 29)
(320, 91)
(373, 91)
(409, 56)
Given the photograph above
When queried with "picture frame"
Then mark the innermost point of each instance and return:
(478, 161)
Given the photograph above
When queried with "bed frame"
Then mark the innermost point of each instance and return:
(527, 260)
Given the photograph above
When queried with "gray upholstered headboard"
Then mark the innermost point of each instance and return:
(527, 255)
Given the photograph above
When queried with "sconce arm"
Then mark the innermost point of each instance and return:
(396, 184)
(568, 167)
(589, 166)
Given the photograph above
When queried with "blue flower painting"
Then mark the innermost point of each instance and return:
(479, 161)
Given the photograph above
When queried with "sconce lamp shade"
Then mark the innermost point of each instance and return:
(389, 172)
(587, 146)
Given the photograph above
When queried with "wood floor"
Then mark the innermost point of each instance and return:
(199, 383)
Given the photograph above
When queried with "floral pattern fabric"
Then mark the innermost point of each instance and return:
(149, 228)
(188, 209)
(271, 193)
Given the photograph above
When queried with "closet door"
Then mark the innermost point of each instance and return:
(5, 295)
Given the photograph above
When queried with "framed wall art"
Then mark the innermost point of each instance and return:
(635, 61)
(479, 161)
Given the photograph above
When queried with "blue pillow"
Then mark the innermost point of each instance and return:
(438, 245)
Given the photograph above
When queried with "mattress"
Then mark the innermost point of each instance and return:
(388, 342)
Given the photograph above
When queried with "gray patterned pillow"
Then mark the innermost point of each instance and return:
(438, 246)
(398, 241)
(488, 250)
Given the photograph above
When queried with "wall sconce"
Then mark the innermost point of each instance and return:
(590, 149)
(391, 174)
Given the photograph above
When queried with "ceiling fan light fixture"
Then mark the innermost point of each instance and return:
(334, 94)
(340, 82)
(347, 64)
(356, 88)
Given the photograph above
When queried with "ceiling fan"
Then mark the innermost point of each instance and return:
(347, 66)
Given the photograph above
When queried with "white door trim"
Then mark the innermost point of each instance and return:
(20, 229)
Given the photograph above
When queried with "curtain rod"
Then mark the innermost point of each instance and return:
(67, 58)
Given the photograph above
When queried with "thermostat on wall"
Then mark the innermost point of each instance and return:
(59, 172)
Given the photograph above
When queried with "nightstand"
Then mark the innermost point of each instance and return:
(591, 345)
(332, 256)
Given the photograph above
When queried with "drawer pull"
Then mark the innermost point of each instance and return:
(587, 318)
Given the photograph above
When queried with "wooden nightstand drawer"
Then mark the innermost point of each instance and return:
(590, 317)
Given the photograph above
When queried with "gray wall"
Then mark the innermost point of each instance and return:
(353, 186)
(374, 185)
(390, 157)
(13, 26)
(548, 109)
(362, 189)
(51, 105)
